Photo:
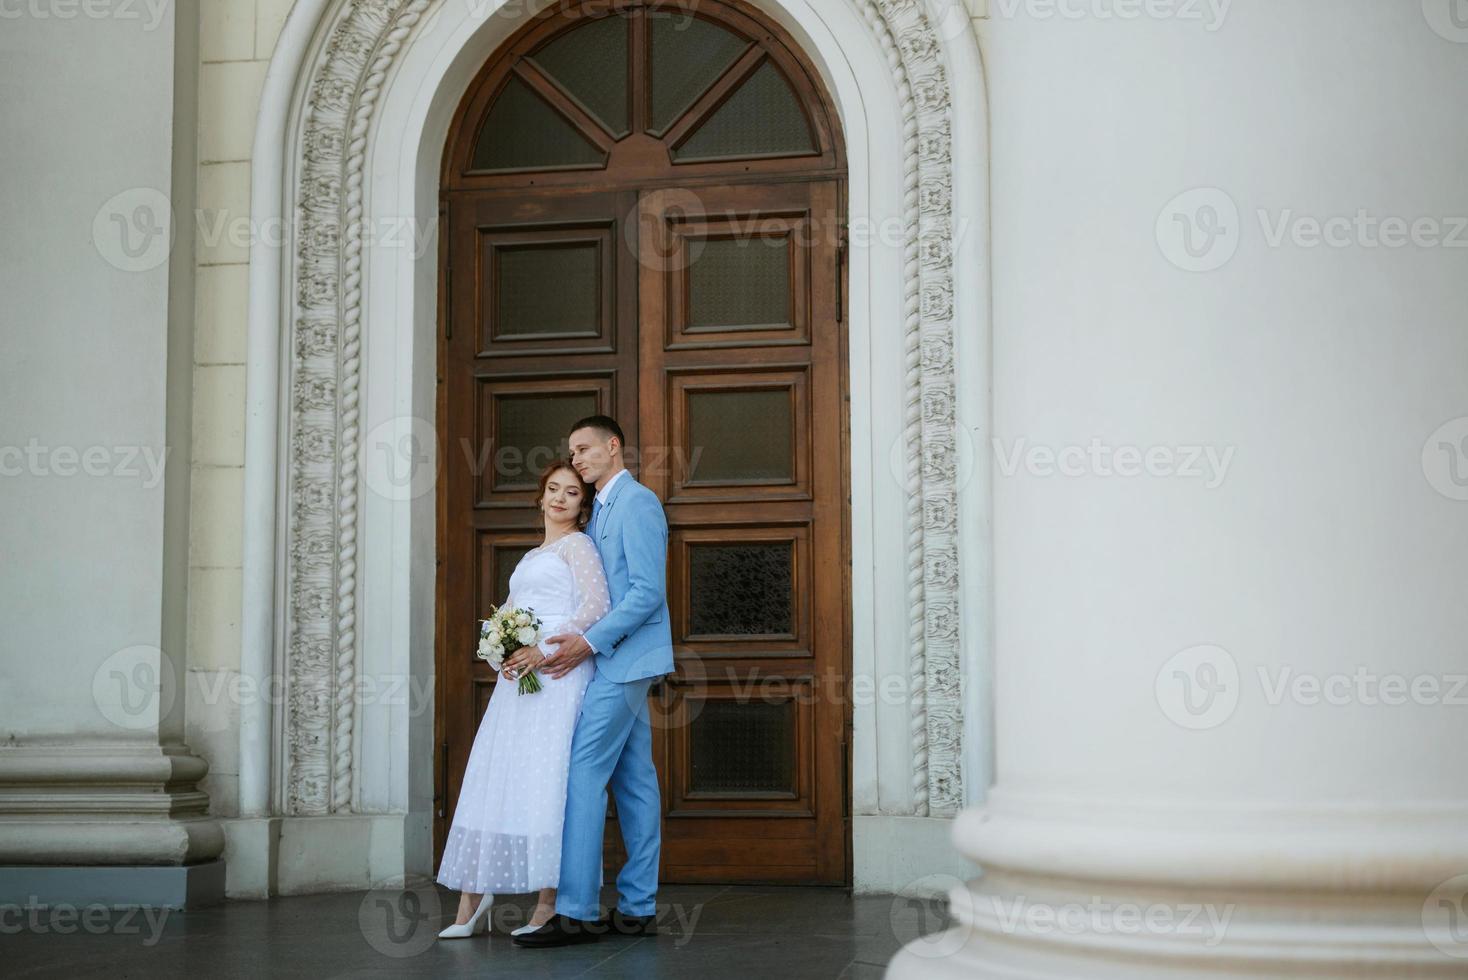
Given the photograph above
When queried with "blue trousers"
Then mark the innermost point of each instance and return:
(612, 745)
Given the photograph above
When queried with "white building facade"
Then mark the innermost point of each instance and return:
(1157, 462)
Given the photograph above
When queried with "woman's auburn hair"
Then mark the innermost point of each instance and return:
(588, 492)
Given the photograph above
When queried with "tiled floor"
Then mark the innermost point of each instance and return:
(708, 932)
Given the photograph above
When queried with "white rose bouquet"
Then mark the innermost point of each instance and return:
(504, 632)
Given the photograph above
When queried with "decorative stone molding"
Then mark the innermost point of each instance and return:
(344, 81)
(929, 419)
(364, 38)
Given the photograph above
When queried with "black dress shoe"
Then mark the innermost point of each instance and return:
(629, 925)
(562, 930)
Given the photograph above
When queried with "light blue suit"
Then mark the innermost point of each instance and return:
(613, 738)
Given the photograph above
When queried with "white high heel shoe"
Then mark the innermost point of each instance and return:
(479, 918)
(530, 927)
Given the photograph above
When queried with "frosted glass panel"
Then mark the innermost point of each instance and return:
(590, 62)
(548, 289)
(761, 117)
(739, 282)
(523, 131)
(742, 748)
(688, 55)
(532, 431)
(740, 436)
(506, 557)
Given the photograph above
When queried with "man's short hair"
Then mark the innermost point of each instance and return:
(604, 424)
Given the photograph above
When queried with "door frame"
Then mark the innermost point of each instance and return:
(456, 195)
(354, 107)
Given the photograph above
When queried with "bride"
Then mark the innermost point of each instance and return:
(506, 833)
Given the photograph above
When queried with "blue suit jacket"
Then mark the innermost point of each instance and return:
(635, 639)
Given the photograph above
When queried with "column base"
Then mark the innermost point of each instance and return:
(188, 886)
(1166, 891)
(76, 803)
(270, 856)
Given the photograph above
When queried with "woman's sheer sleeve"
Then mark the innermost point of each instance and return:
(593, 599)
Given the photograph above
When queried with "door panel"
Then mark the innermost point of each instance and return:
(741, 378)
(541, 329)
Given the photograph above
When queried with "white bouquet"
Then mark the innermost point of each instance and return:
(504, 632)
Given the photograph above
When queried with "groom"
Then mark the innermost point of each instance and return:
(633, 645)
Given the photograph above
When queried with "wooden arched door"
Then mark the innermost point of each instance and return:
(642, 216)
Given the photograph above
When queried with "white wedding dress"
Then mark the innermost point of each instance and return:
(506, 832)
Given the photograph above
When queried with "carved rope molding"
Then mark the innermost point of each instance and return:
(930, 481)
(345, 82)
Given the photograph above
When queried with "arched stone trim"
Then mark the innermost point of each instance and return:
(342, 82)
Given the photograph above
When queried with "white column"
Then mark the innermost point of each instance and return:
(1231, 497)
(97, 374)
